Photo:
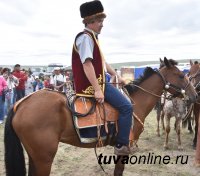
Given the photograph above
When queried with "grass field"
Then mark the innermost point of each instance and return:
(73, 161)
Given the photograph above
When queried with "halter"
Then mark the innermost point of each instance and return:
(168, 85)
(195, 75)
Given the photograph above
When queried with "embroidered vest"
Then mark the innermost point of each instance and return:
(81, 83)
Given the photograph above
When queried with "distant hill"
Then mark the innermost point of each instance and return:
(136, 64)
(114, 65)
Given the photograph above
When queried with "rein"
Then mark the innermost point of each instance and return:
(71, 107)
(167, 85)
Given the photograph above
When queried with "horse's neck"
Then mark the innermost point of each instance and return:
(144, 102)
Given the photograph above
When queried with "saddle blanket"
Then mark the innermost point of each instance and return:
(96, 124)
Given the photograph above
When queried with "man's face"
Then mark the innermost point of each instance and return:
(17, 68)
(56, 72)
(96, 26)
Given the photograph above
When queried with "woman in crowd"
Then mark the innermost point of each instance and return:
(3, 86)
(11, 82)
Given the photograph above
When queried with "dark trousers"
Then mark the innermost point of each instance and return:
(20, 94)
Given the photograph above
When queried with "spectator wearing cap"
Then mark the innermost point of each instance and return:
(58, 81)
(20, 88)
(37, 84)
(3, 87)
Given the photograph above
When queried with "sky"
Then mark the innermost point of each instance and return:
(39, 32)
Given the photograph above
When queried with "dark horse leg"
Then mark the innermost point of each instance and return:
(190, 125)
(196, 115)
(119, 167)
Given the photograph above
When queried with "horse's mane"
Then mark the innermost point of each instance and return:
(146, 74)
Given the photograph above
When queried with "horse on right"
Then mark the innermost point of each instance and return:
(194, 76)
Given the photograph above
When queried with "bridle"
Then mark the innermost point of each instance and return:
(197, 86)
(168, 85)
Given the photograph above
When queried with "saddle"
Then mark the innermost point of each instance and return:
(101, 115)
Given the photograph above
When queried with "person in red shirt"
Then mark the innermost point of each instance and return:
(20, 88)
(47, 82)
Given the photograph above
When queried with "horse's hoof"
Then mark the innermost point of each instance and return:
(180, 148)
(165, 147)
(194, 147)
(191, 132)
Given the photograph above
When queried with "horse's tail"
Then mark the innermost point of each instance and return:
(14, 155)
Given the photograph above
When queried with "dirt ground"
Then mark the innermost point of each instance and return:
(73, 161)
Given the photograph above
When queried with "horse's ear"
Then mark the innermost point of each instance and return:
(167, 63)
(161, 61)
(191, 63)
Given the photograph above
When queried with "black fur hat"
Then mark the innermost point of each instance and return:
(92, 10)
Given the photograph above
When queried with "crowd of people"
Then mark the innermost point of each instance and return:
(18, 83)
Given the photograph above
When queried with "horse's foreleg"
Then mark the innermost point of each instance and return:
(162, 120)
(196, 116)
(167, 130)
(178, 131)
(190, 125)
(158, 121)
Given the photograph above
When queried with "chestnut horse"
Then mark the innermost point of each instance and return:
(194, 76)
(43, 120)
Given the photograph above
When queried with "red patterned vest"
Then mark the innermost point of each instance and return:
(81, 83)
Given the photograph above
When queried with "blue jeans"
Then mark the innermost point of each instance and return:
(8, 103)
(14, 96)
(1, 108)
(114, 97)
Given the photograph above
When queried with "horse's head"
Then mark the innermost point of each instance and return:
(175, 81)
(194, 75)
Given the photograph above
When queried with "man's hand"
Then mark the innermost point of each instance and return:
(99, 96)
(121, 80)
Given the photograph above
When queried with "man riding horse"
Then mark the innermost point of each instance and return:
(89, 69)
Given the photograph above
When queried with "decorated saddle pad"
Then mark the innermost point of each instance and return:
(100, 115)
(101, 121)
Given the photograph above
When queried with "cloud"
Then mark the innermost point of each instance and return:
(35, 32)
(17, 12)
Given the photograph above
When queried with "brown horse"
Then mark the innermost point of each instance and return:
(194, 76)
(42, 121)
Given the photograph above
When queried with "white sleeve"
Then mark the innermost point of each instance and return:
(51, 80)
(64, 78)
(85, 46)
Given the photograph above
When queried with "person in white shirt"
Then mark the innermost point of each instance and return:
(29, 83)
(58, 81)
